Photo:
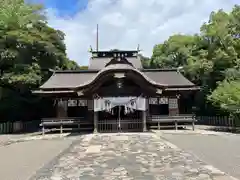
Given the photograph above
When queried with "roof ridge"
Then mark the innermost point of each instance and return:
(159, 70)
(78, 71)
(97, 70)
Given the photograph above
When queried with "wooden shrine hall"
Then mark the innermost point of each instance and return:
(116, 94)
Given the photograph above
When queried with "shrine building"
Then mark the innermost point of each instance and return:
(116, 94)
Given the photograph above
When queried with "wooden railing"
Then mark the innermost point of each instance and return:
(19, 126)
(164, 121)
(65, 124)
(6, 127)
(154, 121)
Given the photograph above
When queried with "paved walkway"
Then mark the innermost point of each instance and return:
(126, 157)
(21, 160)
(222, 150)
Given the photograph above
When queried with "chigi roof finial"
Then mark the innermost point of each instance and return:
(138, 48)
(97, 41)
(90, 49)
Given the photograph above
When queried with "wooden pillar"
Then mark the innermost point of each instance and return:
(61, 128)
(173, 107)
(61, 108)
(193, 125)
(176, 125)
(95, 122)
(144, 117)
(43, 130)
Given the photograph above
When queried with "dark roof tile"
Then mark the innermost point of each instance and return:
(99, 63)
(67, 79)
(72, 79)
(171, 78)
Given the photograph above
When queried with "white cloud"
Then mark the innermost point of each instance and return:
(124, 24)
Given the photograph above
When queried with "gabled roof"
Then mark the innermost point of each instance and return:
(99, 59)
(74, 79)
(100, 62)
(171, 77)
(104, 65)
(68, 79)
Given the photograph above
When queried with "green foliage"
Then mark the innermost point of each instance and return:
(83, 67)
(208, 58)
(18, 14)
(145, 61)
(28, 49)
(227, 96)
(173, 52)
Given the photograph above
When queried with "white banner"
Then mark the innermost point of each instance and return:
(107, 103)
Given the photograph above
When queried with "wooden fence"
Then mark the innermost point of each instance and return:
(33, 126)
(162, 121)
(69, 123)
(224, 121)
(19, 127)
(217, 121)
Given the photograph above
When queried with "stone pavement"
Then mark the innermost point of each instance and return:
(140, 156)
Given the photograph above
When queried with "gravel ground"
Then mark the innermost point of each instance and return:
(222, 150)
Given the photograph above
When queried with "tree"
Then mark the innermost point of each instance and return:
(227, 96)
(83, 67)
(28, 49)
(28, 46)
(18, 14)
(208, 58)
(173, 52)
(227, 93)
(145, 61)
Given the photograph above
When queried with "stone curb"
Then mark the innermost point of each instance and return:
(186, 132)
(32, 137)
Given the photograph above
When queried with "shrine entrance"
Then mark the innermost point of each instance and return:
(120, 114)
(118, 121)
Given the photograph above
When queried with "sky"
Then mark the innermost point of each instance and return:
(123, 24)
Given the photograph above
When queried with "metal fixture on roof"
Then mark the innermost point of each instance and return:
(179, 68)
(94, 54)
(90, 49)
(119, 75)
(159, 91)
(138, 48)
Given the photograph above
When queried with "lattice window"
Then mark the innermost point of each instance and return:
(72, 102)
(82, 102)
(173, 103)
(163, 100)
(153, 101)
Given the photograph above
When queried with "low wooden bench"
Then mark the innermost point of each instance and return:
(48, 123)
(186, 119)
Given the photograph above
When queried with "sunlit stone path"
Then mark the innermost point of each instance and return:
(140, 156)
